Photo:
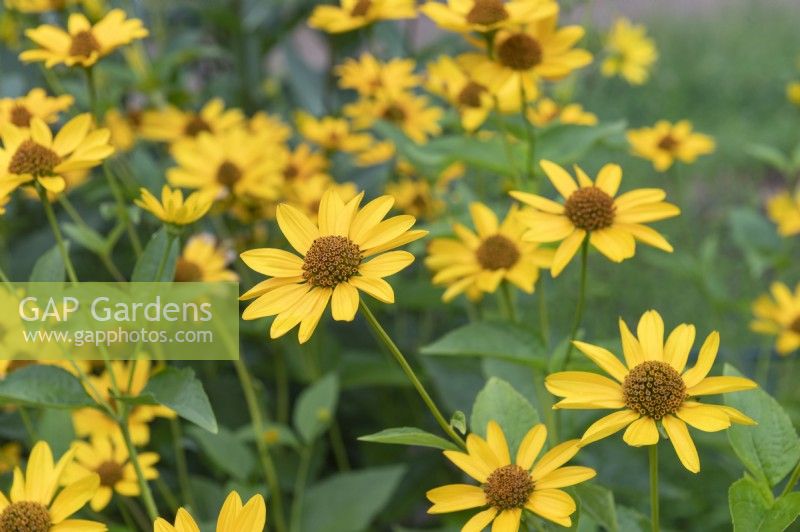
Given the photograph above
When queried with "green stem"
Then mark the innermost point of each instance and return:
(104, 256)
(62, 248)
(282, 388)
(339, 449)
(270, 474)
(544, 321)
(144, 487)
(654, 519)
(409, 371)
(181, 464)
(530, 136)
(581, 299)
(28, 423)
(162, 264)
(300, 486)
(790, 484)
(507, 300)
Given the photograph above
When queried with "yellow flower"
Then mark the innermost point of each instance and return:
(631, 53)
(302, 164)
(108, 458)
(547, 111)
(793, 92)
(235, 162)
(203, 260)
(171, 124)
(233, 517)
(415, 197)
(377, 153)
(652, 387)
(779, 316)
(270, 127)
(524, 55)
(34, 155)
(665, 143)
(474, 102)
(38, 6)
(10, 454)
(34, 506)
(590, 210)
(412, 114)
(509, 488)
(172, 209)
(369, 76)
(83, 44)
(330, 133)
(332, 266)
(124, 128)
(477, 263)
(353, 14)
(484, 16)
(307, 195)
(131, 378)
(20, 111)
(784, 210)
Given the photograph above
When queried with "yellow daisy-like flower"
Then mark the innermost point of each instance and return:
(172, 209)
(233, 517)
(793, 92)
(591, 210)
(484, 16)
(203, 259)
(413, 114)
(474, 102)
(368, 76)
(171, 124)
(271, 128)
(631, 53)
(509, 488)
(82, 44)
(307, 195)
(108, 458)
(331, 133)
(779, 316)
(353, 14)
(36, 104)
(302, 164)
(652, 387)
(38, 6)
(548, 111)
(233, 163)
(524, 55)
(478, 263)
(332, 266)
(377, 153)
(124, 128)
(665, 143)
(784, 210)
(415, 197)
(34, 155)
(34, 506)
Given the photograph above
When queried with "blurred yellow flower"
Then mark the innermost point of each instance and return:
(418, 119)
(33, 155)
(784, 210)
(665, 143)
(779, 316)
(377, 153)
(332, 267)
(82, 44)
(353, 14)
(484, 16)
(631, 53)
(368, 76)
(793, 92)
(307, 194)
(233, 517)
(172, 209)
(652, 387)
(415, 197)
(124, 128)
(302, 164)
(508, 488)
(10, 456)
(331, 133)
(473, 100)
(38, 6)
(171, 124)
(271, 128)
(477, 263)
(590, 210)
(35, 503)
(20, 111)
(203, 259)
(108, 458)
(548, 111)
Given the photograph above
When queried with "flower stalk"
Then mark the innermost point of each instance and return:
(654, 517)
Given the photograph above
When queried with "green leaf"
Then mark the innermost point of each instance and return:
(756, 238)
(44, 386)
(459, 421)
(490, 339)
(770, 156)
(56, 428)
(147, 266)
(348, 502)
(315, 407)
(179, 389)
(86, 237)
(50, 266)
(754, 509)
(567, 143)
(226, 451)
(598, 503)
(499, 401)
(409, 436)
(770, 449)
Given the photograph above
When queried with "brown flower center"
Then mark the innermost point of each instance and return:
(361, 8)
(487, 12)
(394, 113)
(508, 487)
(195, 126)
(668, 143)
(470, 95)
(291, 172)
(187, 271)
(83, 44)
(110, 473)
(25, 516)
(590, 209)
(228, 174)
(34, 159)
(20, 116)
(654, 389)
(795, 325)
(331, 260)
(497, 252)
(520, 52)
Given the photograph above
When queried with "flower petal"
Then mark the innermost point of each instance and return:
(455, 497)
(708, 353)
(604, 359)
(682, 442)
(608, 425)
(643, 431)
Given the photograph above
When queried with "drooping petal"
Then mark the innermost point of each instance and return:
(708, 418)
(608, 425)
(643, 431)
(682, 442)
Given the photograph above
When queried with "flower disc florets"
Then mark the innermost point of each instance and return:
(508, 487)
(497, 252)
(331, 260)
(654, 389)
(590, 209)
